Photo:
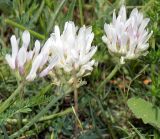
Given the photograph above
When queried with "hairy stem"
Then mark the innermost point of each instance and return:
(45, 118)
(40, 36)
(75, 102)
(21, 97)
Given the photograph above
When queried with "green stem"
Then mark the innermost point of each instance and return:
(37, 117)
(109, 77)
(45, 118)
(81, 12)
(69, 110)
(7, 102)
(75, 102)
(8, 21)
(21, 97)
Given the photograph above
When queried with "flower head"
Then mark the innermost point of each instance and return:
(127, 38)
(21, 58)
(74, 48)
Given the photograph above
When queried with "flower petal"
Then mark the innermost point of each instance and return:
(30, 55)
(14, 45)
(36, 64)
(122, 13)
(50, 67)
(36, 48)
(21, 57)
(25, 39)
(89, 55)
(10, 61)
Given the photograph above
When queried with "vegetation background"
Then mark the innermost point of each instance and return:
(104, 113)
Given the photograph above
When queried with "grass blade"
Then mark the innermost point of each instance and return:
(53, 16)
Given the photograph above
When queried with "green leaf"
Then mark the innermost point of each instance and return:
(25, 110)
(38, 13)
(44, 90)
(145, 110)
(54, 15)
(70, 11)
(6, 6)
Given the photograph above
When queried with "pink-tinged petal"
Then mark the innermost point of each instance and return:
(21, 57)
(114, 17)
(131, 52)
(69, 32)
(143, 25)
(57, 32)
(88, 31)
(122, 13)
(50, 67)
(89, 42)
(123, 43)
(142, 47)
(149, 35)
(36, 64)
(88, 56)
(14, 45)
(36, 48)
(21, 70)
(87, 68)
(44, 59)
(26, 39)
(10, 61)
(47, 46)
(31, 77)
(74, 55)
(30, 55)
(134, 12)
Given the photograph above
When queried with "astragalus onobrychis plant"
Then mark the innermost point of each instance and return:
(64, 60)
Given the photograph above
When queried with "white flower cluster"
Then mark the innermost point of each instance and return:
(127, 38)
(74, 48)
(69, 51)
(21, 58)
(72, 51)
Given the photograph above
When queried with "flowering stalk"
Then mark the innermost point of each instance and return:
(75, 102)
(7, 102)
(75, 52)
(21, 97)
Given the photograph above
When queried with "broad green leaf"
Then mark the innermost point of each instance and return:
(145, 110)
